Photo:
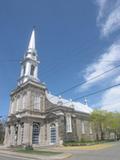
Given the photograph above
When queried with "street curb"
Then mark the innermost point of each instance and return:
(40, 157)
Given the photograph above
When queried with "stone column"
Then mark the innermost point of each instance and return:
(31, 127)
(19, 135)
(57, 133)
(12, 136)
(61, 129)
(42, 103)
(27, 71)
(26, 136)
(11, 107)
(42, 134)
(7, 137)
(78, 128)
(48, 133)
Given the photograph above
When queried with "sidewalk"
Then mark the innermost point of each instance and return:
(7, 151)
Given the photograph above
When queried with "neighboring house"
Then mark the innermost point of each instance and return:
(38, 118)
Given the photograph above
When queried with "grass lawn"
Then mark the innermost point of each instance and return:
(36, 152)
(92, 147)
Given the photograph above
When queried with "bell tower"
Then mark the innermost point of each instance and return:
(29, 65)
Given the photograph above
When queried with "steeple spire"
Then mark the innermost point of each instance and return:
(29, 65)
(31, 46)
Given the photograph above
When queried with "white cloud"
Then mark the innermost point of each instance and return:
(108, 20)
(112, 55)
(111, 100)
(101, 4)
(112, 23)
(117, 80)
(108, 16)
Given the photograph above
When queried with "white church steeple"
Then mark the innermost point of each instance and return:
(29, 65)
(31, 46)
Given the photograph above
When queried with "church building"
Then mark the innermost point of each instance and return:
(38, 118)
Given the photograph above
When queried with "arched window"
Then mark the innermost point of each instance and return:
(53, 133)
(35, 133)
(32, 70)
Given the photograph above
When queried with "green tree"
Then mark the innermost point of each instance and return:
(113, 124)
(106, 123)
(2, 130)
(98, 117)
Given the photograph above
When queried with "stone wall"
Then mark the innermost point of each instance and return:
(76, 134)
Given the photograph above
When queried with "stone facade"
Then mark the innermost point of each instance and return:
(34, 119)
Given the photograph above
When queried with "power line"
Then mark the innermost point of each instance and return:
(109, 61)
(76, 55)
(87, 95)
(90, 94)
(96, 92)
(83, 82)
(108, 104)
(75, 52)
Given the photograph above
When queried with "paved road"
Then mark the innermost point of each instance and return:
(112, 153)
(10, 157)
(5, 157)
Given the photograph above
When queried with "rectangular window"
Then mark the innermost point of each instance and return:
(83, 127)
(68, 123)
(37, 101)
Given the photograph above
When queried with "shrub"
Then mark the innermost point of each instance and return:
(28, 147)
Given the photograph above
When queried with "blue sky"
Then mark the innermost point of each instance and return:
(76, 40)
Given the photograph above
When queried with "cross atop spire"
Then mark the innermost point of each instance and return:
(31, 46)
(85, 101)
